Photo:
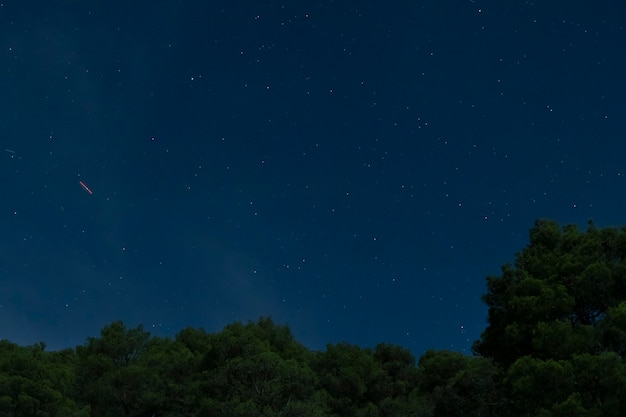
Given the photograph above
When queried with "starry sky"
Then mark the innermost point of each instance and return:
(353, 169)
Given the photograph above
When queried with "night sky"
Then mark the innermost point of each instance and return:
(352, 169)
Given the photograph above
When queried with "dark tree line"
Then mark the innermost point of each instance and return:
(555, 345)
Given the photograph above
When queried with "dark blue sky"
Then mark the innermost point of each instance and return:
(353, 169)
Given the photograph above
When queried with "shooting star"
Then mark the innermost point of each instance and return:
(82, 184)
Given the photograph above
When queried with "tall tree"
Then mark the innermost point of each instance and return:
(551, 302)
(113, 380)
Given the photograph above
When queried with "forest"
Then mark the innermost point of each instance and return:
(554, 345)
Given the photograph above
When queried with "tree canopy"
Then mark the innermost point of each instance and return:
(555, 345)
(556, 317)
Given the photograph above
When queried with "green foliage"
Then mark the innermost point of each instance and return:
(458, 385)
(110, 374)
(555, 301)
(601, 382)
(258, 364)
(613, 329)
(555, 346)
(34, 382)
(557, 323)
(536, 384)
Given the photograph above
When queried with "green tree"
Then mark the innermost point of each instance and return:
(257, 369)
(173, 368)
(34, 382)
(365, 382)
(613, 329)
(557, 323)
(344, 372)
(536, 385)
(113, 380)
(552, 301)
(601, 382)
(455, 384)
(399, 376)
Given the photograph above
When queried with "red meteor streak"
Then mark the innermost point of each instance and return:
(85, 187)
